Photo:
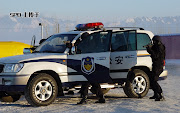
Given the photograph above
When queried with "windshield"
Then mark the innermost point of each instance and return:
(55, 43)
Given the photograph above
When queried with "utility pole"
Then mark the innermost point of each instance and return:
(58, 28)
(40, 24)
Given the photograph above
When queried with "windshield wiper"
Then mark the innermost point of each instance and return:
(50, 52)
(35, 52)
(43, 52)
(46, 52)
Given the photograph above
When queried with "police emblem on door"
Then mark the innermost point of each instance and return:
(88, 65)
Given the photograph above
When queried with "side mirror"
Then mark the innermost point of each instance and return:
(73, 50)
(27, 50)
(33, 48)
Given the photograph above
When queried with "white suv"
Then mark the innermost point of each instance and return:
(64, 59)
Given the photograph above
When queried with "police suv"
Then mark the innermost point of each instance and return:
(68, 59)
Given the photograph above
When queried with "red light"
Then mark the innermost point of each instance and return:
(89, 25)
(164, 63)
(94, 25)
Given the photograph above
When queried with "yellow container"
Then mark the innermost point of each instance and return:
(12, 48)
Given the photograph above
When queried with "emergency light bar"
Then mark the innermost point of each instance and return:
(89, 26)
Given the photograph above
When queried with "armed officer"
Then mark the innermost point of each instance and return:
(157, 51)
(94, 78)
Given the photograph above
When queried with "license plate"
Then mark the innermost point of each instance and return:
(0, 81)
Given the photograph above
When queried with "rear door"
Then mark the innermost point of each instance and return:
(123, 53)
(92, 58)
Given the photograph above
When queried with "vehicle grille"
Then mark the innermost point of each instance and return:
(1, 67)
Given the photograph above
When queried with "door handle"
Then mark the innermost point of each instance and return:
(130, 56)
(101, 58)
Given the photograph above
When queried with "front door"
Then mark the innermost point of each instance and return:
(92, 58)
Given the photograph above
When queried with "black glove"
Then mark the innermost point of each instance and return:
(149, 49)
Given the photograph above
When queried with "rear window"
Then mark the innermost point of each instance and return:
(142, 40)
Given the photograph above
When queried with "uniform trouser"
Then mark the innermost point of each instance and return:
(95, 86)
(156, 71)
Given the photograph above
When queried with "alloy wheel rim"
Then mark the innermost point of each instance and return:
(139, 84)
(43, 90)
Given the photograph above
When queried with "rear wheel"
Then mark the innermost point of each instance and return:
(137, 85)
(42, 90)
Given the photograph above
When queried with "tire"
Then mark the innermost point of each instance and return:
(104, 90)
(42, 90)
(137, 85)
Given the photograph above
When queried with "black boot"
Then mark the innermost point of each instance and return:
(160, 97)
(154, 96)
(83, 100)
(101, 100)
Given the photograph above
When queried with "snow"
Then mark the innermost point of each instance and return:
(116, 100)
(130, 20)
(14, 20)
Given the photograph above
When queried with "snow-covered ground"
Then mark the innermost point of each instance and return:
(116, 100)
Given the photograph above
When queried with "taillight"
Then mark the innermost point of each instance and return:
(164, 63)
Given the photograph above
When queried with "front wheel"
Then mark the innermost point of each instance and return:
(137, 85)
(42, 90)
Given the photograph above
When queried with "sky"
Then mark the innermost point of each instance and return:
(79, 11)
(93, 8)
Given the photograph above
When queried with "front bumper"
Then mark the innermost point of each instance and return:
(13, 82)
(12, 88)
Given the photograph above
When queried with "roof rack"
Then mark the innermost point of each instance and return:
(123, 28)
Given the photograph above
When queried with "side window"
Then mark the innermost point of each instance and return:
(119, 41)
(96, 42)
(123, 41)
(132, 41)
(142, 40)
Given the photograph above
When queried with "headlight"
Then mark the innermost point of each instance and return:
(9, 68)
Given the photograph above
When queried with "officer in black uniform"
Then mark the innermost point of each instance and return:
(157, 51)
(84, 92)
(94, 79)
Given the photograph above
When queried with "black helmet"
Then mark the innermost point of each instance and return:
(157, 38)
